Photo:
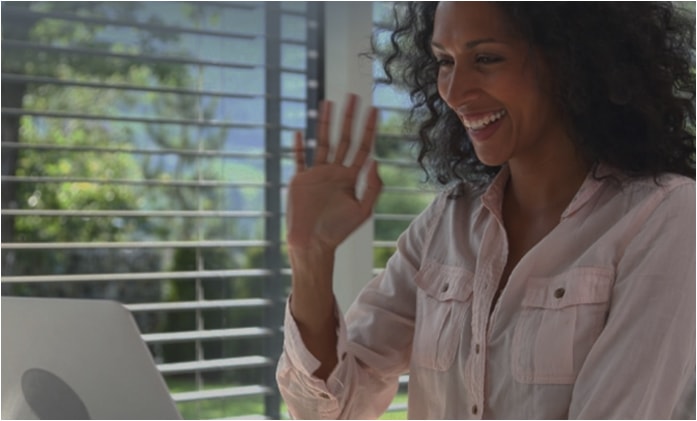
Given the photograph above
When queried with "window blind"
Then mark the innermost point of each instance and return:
(404, 193)
(146, 147)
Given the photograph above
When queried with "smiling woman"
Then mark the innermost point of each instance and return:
(554, 276)
(626, 69)
(496, 85)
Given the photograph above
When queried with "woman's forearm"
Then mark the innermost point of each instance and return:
(312, 304)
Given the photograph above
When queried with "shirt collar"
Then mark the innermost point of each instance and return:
(492, 199)
(594, 180)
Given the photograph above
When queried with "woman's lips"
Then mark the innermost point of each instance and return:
(480, 135)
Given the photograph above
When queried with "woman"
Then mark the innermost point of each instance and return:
(555, 275)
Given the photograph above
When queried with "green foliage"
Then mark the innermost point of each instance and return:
(81, 180)
(95, 168)
(59, 163)
(84, 180)
(392, 144)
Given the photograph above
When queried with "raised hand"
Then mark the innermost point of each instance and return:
(323, 207)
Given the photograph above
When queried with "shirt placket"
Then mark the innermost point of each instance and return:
(490, 262)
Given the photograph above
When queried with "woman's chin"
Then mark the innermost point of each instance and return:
(491, 161)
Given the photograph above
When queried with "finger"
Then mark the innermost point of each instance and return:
(373, 188)
(366, 145)
(345, 139)
(299, 153)
(325, 116)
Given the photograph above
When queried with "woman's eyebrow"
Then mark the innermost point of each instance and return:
(468, 44)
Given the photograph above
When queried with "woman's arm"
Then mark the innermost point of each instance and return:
(323, 210)
(333, 367)
(373, 341)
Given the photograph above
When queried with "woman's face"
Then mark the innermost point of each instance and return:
(495, 82)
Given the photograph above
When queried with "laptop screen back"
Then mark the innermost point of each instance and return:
(77, 359)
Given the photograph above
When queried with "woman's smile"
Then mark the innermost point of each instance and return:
(482, 126)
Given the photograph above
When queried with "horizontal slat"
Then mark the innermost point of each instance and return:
(246, 417)
(199, 305)
(131, 119)
(19, 12)
(289, 12)
(230, 392)
(156, 183)
(140, 276)
(128, 182)
(139, 58)
(381, 80)
(384, 25)
(393, 217)
(135, 213)
(393, 109)
(398, 163)
(137, 151)
(201, 335)
(397, 407)
(217, 153)
(404, 190)
(218, 364)
(43, 80)
(134, 244)
(384, 244)
(399, 137)
(149, 26)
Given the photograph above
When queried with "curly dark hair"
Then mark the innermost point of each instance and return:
(623, 77)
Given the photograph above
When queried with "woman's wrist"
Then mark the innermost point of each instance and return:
(311, 257)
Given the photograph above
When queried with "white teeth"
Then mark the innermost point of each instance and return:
(484, 121)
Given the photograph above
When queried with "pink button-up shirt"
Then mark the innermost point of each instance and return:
(596, 321)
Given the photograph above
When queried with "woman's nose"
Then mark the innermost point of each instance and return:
(460, 86)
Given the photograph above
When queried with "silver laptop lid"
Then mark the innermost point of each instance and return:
(77, 359)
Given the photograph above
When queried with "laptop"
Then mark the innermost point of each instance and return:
(77, 359)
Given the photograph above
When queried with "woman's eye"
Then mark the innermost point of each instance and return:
(442, 62)
(487, 59)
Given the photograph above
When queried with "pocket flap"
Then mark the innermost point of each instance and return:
(577, 286)
(445, 282)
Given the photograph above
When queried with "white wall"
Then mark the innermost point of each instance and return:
(347, 35)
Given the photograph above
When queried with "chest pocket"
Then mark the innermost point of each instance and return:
(443, 315)
(561, 318)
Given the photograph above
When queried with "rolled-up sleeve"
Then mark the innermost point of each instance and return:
(644, 359)
(307, 396)
(374, 342)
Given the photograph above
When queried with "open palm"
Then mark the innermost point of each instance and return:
(323, 206)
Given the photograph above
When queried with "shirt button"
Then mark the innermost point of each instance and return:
(476, 349)
(445, 287)
(323, 395)
(474, 409)
(559, 292)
